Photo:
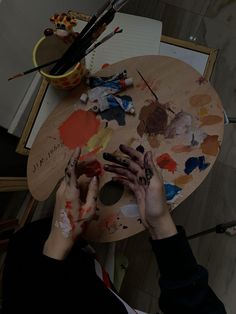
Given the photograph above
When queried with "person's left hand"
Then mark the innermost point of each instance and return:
(70, 214)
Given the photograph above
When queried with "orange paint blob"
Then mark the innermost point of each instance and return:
(79, 128)
(210, 145)
(182, 149)
(210, 120)
(166, 162)
(182, 180)
(105, 65)
(200, 100)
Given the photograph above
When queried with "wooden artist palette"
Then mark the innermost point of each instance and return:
(192, 110)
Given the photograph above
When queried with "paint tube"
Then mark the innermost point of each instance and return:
(111, 87)
(111, 101)
(94, 81)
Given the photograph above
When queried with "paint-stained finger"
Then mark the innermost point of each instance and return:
(70, 173)
(124, 162)
(91, 199)
(155, 168)
(125, 182)
(122, 171)
(149, 167)
(135, 155)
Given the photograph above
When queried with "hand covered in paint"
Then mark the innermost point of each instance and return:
(139, 173)
(70, 214)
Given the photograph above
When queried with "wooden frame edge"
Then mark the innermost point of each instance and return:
(13, 184)
(212, 52)
(21, 149)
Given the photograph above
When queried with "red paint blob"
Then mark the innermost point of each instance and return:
(105, 65)
(79, 128)
(166, 162)
(94, 168)
(68, 205)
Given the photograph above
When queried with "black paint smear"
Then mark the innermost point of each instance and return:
(125, 227)
(116, 113)
(140, 149)
(111, 193)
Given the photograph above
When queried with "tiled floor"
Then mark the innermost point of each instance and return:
(213, 24)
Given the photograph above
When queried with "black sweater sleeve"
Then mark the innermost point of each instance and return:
(184, 284)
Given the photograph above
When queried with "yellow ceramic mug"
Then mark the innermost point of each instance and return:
(51, 48)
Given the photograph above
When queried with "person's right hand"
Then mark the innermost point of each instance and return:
(139, 173)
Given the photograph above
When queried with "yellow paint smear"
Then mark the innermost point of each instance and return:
(100, 139)
(203, 111)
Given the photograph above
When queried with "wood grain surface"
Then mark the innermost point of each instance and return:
(180, 88)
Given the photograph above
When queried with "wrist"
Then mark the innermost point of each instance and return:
(57, 247)
(163, 227)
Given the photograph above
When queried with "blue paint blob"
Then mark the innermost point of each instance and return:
(191, 164)
(202, 163)
(195, 162)
(171, 190)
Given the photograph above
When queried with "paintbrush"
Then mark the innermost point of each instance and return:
(88, 51)
(106, 38)
(94, 18)
(32, 70)
(87, 27)
(149, 87)
(73, 53)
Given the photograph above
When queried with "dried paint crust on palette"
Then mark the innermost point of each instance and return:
(182, 125)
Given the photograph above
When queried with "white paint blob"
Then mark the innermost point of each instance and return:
(130, 210)
(64, 223)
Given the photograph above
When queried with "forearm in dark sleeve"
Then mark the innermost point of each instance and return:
(29, 277)
(184, 284)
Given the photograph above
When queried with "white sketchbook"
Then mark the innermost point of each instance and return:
(141, 36)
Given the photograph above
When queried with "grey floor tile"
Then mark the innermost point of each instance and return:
(211, 204)
(194, 6)
(218, 35)
(222, 8)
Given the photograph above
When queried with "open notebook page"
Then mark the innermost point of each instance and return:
(141, 36)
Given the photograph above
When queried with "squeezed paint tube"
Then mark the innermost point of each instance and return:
(94, 81)
(111, 87)
(111, 101)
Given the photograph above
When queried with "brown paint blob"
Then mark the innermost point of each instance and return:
(111, 193)
(78, 128)
(210, 120)
(182, 180)
(153, 119)
(182, 149)
(153, 141)
(200, 100)
(210, 145)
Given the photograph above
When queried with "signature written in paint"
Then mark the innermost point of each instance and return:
(48, 155)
